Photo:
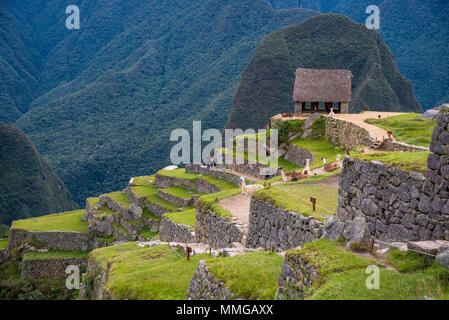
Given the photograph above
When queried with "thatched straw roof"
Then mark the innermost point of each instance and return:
(313, 85)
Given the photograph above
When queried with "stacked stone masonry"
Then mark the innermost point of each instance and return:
(175, 232)
(204, 286)
(271, 226)
(218, 232)
(50, 268)
(346, 133)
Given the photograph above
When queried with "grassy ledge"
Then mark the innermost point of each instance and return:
(186, 217)
(56, 254)
(67, 221)
(150, 194)
(118, 196)
(405, 161)
(104, 209)
(178, 173)
(146, 233)
(408, 128)
(289, 195)
(4, 244)
(250, 276)
(180, 192)
(210, 202)
(146, 273)
(143, 181)
(219, 183)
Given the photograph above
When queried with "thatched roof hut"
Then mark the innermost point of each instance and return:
(313, 85)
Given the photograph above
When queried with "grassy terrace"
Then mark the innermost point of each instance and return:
(4, 244)
(296, 197)
(220, 184)
(180, 192)
(408, 128)
(119, 197)
(178, 173)
(55, 254)
(143, 181)
(104, 209)
(147, 233)
(343, 275)
(250, 276)
(150, 194)
(146, 273)
(186, 217)
(405, 161)
(210, 202)
(67, 221)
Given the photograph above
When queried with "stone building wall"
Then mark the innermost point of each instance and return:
(346, 133)
(56, 240)
(171, 231)
(204, 286)
(271, 226)
(217, 231)
(164, 182)
(49, 268)
(205, 170)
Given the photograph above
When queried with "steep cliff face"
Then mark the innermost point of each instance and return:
(323, 42)
(28, 187)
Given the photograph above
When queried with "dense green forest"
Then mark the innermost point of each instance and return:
(28, 186)
(323, 42)
(415, 31)
(103, 99)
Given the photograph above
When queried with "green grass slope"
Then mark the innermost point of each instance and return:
(322, 42)
(28, 187)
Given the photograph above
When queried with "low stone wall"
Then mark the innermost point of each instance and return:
(298, 155)
(252, 169)
(141, 201)
(4, 254)
(399, 146)
(133, 212)
(164, 182)
(171, 231)
(55, 240)
(49, 268)
(205, 170)
(346, 133)
(271, 226)
(174, 199)
(296, 275)
(217, 231)
(397, 206)
(204, 286)
(203, 186)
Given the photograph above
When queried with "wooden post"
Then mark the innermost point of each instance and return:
(389, 135)
(272, 248)
(313, 200)
(365, 108)
(188, 250)
(379, 116)
(371, 244)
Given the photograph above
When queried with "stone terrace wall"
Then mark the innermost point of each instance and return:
(399, 146)
(217, 231)
(296, 275)
(164, 182)
(203, 186)
(196, 168)
(346, 133)
(174, 232)
(271, 226)
(298, 155)
(56, 240)
(396, 205)
(4, 254)
(204, 286)
(49, 268)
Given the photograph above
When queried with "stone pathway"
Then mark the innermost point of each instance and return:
(238, 206)
(359, 119)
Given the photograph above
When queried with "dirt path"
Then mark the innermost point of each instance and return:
(359, 119)
(238, 206)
